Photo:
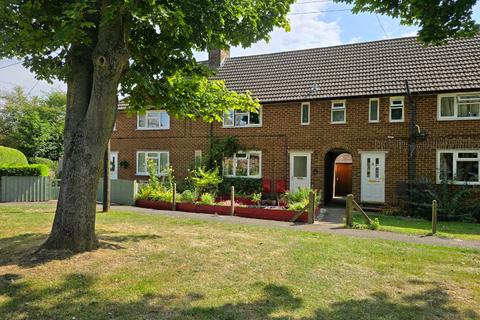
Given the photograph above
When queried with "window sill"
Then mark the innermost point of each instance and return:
(240, 127)
(146, 174)
(338, 122)
(397, 121)
(244, 177)
(153, 129)
(457, 119)
(461, 183)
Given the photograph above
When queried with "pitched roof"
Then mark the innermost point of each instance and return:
(363, 69)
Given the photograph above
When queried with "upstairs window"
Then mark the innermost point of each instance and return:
(397, 109)
(232, 118)
(305, 113)
(159, 158)
(374, 110)
(153, 120)
(339, 112)
(459, 106)
(458, 166)
(246, 164)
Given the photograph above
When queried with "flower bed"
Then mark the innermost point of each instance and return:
(269, 214)
(203, 208)
(246, 212)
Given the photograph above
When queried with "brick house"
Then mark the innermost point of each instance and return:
(322, 109)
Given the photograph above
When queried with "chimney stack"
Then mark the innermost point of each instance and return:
(217, 56)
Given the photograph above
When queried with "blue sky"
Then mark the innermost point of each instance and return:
(328, 25)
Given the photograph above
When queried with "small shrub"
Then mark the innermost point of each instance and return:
(188, 196)
(207, 198)
(257, 197)
(375, 225)
(25, 170)
(12, 157)
(455, 202)
(205, 181)
(297, 206)
(52, 165)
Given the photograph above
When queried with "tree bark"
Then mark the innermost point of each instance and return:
(91, 109)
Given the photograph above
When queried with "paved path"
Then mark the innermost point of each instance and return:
(322, 227)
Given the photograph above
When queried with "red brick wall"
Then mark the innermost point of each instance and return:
(282, 132)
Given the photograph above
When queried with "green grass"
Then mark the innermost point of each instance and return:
(156, 267)
(447, 229)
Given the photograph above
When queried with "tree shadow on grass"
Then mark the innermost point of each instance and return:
(22, 250)
(75, 297)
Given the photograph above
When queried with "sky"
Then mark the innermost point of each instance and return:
(314, 23)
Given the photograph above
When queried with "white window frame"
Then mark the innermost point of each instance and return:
(259, 124)
(158, 152)
(397, 107)
(248, 176)
(370, 110)
(455, 107)
(146, 128)
(301, 113)
(342, 108)
(456, 159)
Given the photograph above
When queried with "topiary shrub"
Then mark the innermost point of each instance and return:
(12, 157)
(39, 170)
(52, 165)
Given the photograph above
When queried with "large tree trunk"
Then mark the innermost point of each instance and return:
(91, 108)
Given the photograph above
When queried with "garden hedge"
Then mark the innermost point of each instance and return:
(12, 157)
(25, 170)
(246, 186)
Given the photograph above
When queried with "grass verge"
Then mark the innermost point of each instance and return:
(156, 267)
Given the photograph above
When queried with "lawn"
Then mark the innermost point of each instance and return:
(156, 267)
(447, 229)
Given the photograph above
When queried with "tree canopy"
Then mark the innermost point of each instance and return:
(437, 19)
(33, 125)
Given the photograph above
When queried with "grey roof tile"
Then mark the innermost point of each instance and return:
(363, 69)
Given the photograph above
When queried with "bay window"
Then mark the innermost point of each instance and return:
(243, 164)
(464, 106)
(159, 158)
(458, 166)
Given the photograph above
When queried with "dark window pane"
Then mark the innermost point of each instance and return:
(254, 118)
(467, 170)
(397, 113)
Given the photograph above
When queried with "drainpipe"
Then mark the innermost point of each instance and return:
(412, 136)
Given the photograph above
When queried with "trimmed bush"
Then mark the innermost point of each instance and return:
(12, 157)
(37, 160)
(245, 186)
(25, 170)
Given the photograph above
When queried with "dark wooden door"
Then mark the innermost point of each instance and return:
(343, 179)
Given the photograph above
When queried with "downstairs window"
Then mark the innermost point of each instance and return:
(458, 166)
(243, 164)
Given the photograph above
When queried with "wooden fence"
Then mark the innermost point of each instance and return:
(24, 189)
(122, 192)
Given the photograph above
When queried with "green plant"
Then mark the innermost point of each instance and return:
(243, 186)
(297, 206)
(257, 197)
(301, 195)
(221, 148)
(52, 165)
(205, 181)
(455, 202)
(207, 198)
(375, 224)
(123, 164)
(12, 157)
(188, 196)
(153, 181)
(25, 170)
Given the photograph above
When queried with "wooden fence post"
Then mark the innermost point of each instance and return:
(311, 207)
(174, 196)
(434, 216)
(232, 200)
(349, 211)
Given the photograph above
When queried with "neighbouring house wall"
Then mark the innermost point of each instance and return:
(282, 132)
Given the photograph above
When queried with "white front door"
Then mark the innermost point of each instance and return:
(113, 165)
(300, 169)
(373, 177)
